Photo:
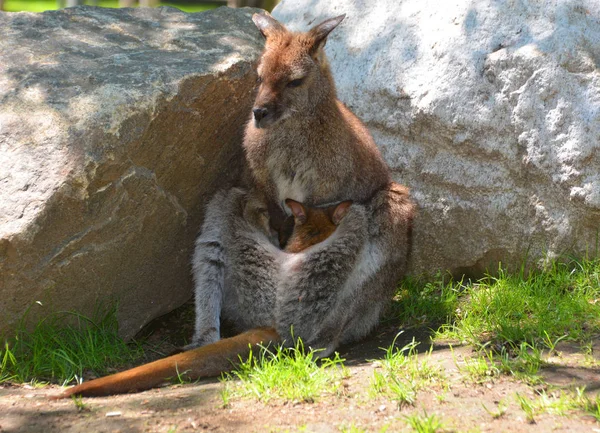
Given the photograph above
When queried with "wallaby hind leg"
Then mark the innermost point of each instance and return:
(235, 266)
(208, 265)
(391, 213)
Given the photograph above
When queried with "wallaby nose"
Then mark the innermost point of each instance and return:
(259, 113)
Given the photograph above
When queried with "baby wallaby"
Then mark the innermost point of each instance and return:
(311, 226)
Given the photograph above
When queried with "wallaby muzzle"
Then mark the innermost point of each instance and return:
(260, 113)
(265, 116)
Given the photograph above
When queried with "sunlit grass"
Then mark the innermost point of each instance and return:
(403, 374)
(521, 361)
(559, 402)
(512, 320)
(561, 302)
(292, 374)
(424, 423)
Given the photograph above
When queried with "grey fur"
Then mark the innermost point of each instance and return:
(331, 293)
(233, 266)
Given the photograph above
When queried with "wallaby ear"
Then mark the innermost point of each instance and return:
(320, 31)
(297, 210)
(267, 25)
(340, 211)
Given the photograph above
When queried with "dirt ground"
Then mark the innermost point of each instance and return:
(463, 406)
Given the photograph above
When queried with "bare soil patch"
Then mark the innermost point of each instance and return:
(461, 405)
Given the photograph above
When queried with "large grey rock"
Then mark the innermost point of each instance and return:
(489, 111)
(115, 127)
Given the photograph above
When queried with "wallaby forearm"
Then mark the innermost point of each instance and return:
(313, 282)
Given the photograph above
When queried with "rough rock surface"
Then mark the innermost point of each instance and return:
(115, 126)
(489, 111)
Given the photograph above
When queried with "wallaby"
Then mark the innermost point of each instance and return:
(239, 268)
(249, 221)
(302, 143)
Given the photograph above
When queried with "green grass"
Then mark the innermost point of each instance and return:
(432, 303)
(560, 402)
(44, 5)
(64, 345)
(424, 423)
(403, 374)
(592, 407)
(291, 374)
(510, 319)
(540, 308)
(500, 410)
(522, 361)
(79, 404)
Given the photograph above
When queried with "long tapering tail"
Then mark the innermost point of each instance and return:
(207, 361)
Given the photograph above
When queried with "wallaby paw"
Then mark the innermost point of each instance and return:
(203, 340)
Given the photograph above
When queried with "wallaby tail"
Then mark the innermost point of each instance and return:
(207, 361)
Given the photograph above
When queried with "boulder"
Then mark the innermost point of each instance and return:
(116, 126)
(489, 111)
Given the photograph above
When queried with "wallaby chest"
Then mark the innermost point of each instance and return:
(297, 168)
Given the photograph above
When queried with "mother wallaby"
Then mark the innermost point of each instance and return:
(302, 143)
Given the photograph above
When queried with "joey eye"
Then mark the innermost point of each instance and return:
(295, 83)
(258, 80)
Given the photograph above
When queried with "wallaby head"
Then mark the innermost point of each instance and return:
(256, 212)
(313, 224)
(293, 73)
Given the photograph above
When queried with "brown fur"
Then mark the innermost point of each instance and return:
(310, 138)
(313, 225)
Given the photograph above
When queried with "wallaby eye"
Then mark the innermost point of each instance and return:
(314, 233)
(258, 80)
(295, 83)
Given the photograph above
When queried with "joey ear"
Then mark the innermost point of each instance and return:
(297, 210)
(340, 211)
(267, 25)
(320, 31)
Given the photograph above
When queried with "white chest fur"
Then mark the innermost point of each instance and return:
(294, 183)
